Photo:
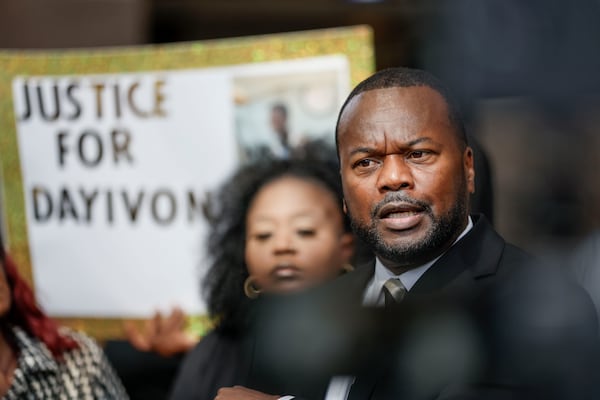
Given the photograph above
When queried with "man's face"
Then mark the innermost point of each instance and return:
(278, 121)
(406, 177)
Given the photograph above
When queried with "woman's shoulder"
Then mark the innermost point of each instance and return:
(90, 360)
(88, 352)
(86, 343)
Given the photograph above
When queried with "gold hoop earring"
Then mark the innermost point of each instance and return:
(250, 290)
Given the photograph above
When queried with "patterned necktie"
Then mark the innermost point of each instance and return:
(393, 291)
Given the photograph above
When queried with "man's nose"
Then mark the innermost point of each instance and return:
(394, 174)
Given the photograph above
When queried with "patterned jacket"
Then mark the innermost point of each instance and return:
(83, 373)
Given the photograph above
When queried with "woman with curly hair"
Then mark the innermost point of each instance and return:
(39, 359)
(277, 226)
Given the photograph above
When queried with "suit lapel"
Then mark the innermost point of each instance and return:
(473, 257)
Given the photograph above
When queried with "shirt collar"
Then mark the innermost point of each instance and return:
(409, 278)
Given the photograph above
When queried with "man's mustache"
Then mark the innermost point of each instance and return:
(397, 197)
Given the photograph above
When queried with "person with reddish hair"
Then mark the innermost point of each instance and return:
(40, 359)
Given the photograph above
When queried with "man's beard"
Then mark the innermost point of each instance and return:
(444, 229)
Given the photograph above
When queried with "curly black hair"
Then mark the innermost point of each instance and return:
(226, 211)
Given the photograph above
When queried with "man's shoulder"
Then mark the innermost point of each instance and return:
(490, 253)
(518, 261)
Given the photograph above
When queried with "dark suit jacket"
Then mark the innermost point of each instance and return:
(485, 321)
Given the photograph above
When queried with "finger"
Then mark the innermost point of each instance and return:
(177, 321)
(155, 324)
(135, 337)
(178, 316)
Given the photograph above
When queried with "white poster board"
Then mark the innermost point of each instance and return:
(115, 168)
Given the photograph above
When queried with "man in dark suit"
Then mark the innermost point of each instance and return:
(466, 315)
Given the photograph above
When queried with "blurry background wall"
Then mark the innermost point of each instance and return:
(73, 23)
(524, 70)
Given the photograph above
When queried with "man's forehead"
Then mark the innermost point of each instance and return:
(400, 109)
(408, 100)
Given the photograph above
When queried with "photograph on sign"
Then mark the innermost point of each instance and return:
(279, 109)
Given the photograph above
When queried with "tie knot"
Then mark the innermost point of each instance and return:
(393, 291)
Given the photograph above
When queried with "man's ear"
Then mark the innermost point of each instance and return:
(469, 169)
(344, 207)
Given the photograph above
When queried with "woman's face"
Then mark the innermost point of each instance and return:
(294, 236)
(5, 294)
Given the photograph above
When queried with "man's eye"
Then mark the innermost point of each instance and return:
(306, 232)
(364, 163)
(419, 155)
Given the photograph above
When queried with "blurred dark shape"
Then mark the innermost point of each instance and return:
(435, 346)
(145, 375)
(318, 149)
(482, 201)
(547, 49)
(584, 263)
(555, 208)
